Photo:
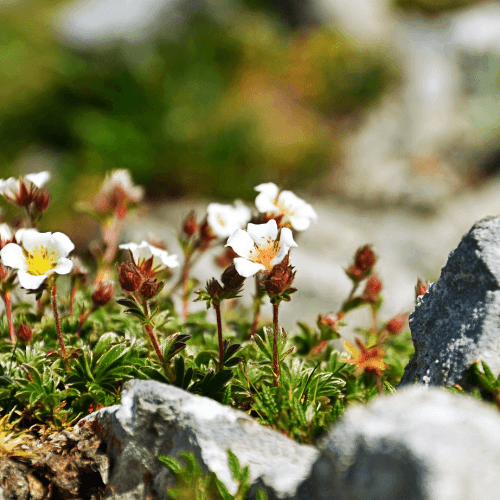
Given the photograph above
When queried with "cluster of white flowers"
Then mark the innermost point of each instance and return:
(260, 247)
(11, 187)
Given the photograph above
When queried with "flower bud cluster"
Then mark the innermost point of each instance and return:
(364, 261)
(139, 278)
(214, 292)
(279, 280)
(103, 293)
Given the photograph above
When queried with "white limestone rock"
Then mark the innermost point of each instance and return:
(158, 419)
(420, 444)
(458, 320)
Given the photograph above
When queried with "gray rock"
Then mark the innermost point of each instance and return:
(458, 320)
(158, 419)
(421, 444)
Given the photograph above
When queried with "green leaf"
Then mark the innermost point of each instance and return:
(113, 355)
(219, 380)
(261, 494)
(172, 463)
(234, 465)
(154, 374)
(488, 373)
(223, 491)
(203, 358)
(179, 370)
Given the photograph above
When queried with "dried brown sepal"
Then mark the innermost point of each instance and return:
(24, 333)
(214, 289)
(42, 200)
(150, 288)
(129, 276)
(280, 278)
(104, 291)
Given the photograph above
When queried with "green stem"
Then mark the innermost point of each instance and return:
(276, 370)
(219, 333)
(8, 309)
(256, 307)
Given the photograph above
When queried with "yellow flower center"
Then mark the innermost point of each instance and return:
(40, 260)
(265, 253)
(220, 220)
(285, 210)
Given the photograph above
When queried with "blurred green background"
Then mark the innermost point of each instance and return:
(208, 112)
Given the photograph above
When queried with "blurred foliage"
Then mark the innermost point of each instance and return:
(433, 7)
(213, 111)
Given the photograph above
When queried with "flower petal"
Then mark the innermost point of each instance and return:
(8, 186)
(246, 268)
(31, 239)
(12, 255)
(300, 223)
(170, 261)
(5, 232)
(270, 189)
(38, 179)
(30, 281)
(62, 244)
(241, 243)
(64, 266)
(286, 242)
(262, 233)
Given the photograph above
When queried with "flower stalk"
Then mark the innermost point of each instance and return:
(53, 293)
(219, 335)
(276, 370)
(8, 309)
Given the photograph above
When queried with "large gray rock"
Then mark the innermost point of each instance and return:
(158, 419)
(458, 320)
(421, 444)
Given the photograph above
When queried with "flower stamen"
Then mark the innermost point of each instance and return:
(40, 260)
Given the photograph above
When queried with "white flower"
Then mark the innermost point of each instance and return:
(259, 248)
(294, 209)
(12, 188)
(117, 189)
(225, 219)
(40, 255)
(145, 251)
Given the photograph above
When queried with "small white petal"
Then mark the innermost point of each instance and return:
(263, 233)
(30, 281)
(128, 246)
(8, 186)
(241, 243)
(170, 261)
(12, 255)
(38, 179)
(64, 266)
(266, 204)
(5, 232)
(286, 238)
(62, 244)
(246, 268)
(268, 188)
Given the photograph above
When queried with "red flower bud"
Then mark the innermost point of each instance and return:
(206, 234)
(354, 273)
(329, 320)
(150, 288)
(24, 333)
(395, 325)
(280, 278)
(420, 288)
(365, 259)
(214, 288)
(231, 279)
(372, 289)
(42, 200)
(190, 226)
(103, 293)
(226, 259)
(129, 276)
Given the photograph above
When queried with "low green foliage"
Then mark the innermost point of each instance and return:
(194, 484)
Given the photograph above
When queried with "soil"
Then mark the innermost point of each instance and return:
(70, 465)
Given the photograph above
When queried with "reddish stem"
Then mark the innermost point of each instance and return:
(152, 336)
(219, 333)
(8, 309)
(72, 299)
(56, 319)
(276, 370)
